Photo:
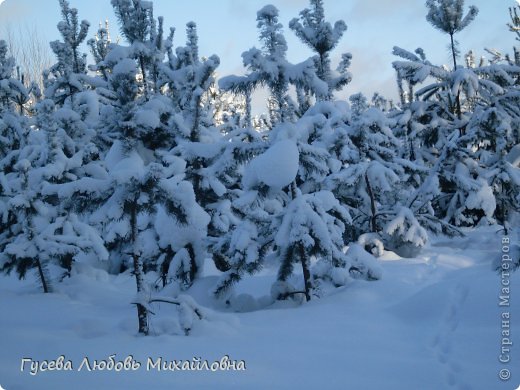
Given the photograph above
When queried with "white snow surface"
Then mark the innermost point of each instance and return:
(432, 322)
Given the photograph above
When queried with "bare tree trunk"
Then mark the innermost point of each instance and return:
(457, 100)
(401, 90)
(306, 272)
(42, 276)
(373, 224)
(142, 313)
(39, 266)
(197, 164)
(143, 73)
(248, 109)
(294, 192)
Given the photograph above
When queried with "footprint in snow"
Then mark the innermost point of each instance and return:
(443, 341)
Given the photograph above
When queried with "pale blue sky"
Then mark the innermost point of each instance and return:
(228, 27)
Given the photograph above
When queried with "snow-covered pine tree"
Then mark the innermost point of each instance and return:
(413, 70)
(423, 127)
(150, 219)
(419, 124)
(448, 17)
(66, 78)
(99, 47)
(73, 169)
(188, 81)
(365, 182)
(188, 78)
(117, 217)
(52, 158)
(47, 230)
(13, 93)
(312, 226)
(270, 67)
(321, 37)
(145, 36)
(373, 180)
(464, 197)
(14, 130)
(287, 217)
(494, 132)
(496, 150)
(238, 146)
(12, 123)
(20, 244)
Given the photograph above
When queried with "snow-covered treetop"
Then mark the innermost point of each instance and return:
(448, 15)
(11, 89)
(73, 33)
(321, 37)
(314, 31)
(270, 67)
(100, 43)
(271, 32)
(6, 62)
(193, 40)
(135, 16)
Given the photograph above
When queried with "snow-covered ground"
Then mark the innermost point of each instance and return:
(433, 322)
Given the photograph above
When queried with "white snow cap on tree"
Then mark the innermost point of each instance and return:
(276, 167)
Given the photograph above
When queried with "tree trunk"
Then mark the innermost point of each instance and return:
(197, 164)
(457, 99)
(193, 263)
(248, 109)
(143, 73)
(294, 192)
(401, 90)
(142, 313)
(373, 224)
(306, 272)
(165, 265)
(39, 265)
(42, 276)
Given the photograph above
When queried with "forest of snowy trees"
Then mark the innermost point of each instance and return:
(143, 162)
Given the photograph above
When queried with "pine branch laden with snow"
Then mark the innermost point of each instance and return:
(406, 233)
(242, 249)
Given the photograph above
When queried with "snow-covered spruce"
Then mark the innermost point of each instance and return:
(270, 67)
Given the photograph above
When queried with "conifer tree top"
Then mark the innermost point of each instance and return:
(271, 31)
(448, 15)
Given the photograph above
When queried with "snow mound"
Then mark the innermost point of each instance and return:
(364, 261)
